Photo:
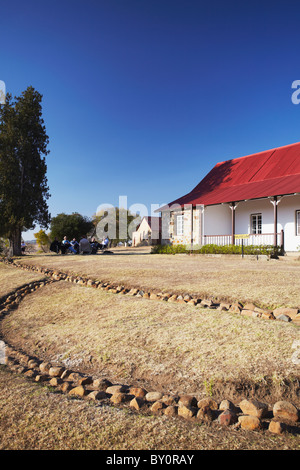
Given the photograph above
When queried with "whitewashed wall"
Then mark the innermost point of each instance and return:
(216, 220)
(287, 220)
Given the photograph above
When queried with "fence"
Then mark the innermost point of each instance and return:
(246, 240)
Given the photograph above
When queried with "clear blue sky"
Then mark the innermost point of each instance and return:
(142, 98)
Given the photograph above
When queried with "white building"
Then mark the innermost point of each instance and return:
(149, 231)
(255, 198)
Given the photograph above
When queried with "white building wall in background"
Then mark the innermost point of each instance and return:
(209, 221)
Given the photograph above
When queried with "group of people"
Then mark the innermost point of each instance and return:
(84, 246)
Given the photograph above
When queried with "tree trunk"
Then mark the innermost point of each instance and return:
(15, 243)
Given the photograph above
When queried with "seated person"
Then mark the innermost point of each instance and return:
(55, 246)
(84, 246)
(67, 245)
(104, 243)
(95, 245)
(75, 245)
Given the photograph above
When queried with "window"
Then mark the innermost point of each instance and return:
(256, 224)
(180, 225)
(297, 222)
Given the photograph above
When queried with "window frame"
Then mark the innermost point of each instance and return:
(258, 226)
(297, 223)
(181, 225)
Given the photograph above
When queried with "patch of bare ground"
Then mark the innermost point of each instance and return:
(33, 417)
(270, 283)
(169, 347)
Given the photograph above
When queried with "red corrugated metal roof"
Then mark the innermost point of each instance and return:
(271, 173)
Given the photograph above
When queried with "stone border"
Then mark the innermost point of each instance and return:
(251, 415)
(249, 309)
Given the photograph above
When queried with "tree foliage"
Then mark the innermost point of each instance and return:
(42, 240)
(70, 225)
(23, 182)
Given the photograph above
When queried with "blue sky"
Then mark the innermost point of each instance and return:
(142, 98)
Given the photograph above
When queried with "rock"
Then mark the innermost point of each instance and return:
(227, 405)
(168, 400)
(74, 376)
(171, 411)
(276, 427)
(227, 418)
(249, 306)
(137, 403)
(40, 378)
(297, 319)
(224, 306)
(133, 291)
(186, 412)
(248, 313)
(153, 396)
(56, 371)
(154, 296)
(283, 317)
(32, 364)
(65, 387)
(291, 312)
(66, 373)
(187, 400)
(45, 367)
(236, 308)
(158, 407)
(254, 408)
(101, 384)
(263, 311)
(97, 395)
(286, 410)
(55, 381)
(138, 392)
(30, 373)
(205, 413)
(119, 397)
(250, 423)
(116, 389)
(85, 381)
(78, 391)
(268, 316)
(212, 404)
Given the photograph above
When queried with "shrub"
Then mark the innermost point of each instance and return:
(268, 250)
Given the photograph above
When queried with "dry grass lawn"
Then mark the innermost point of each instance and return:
(155, 344)
(34, 418)
(12, 278)
(268, 283)
(172, 347)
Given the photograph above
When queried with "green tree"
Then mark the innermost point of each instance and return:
(70, 225)
(23, 181)
(42, 240)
